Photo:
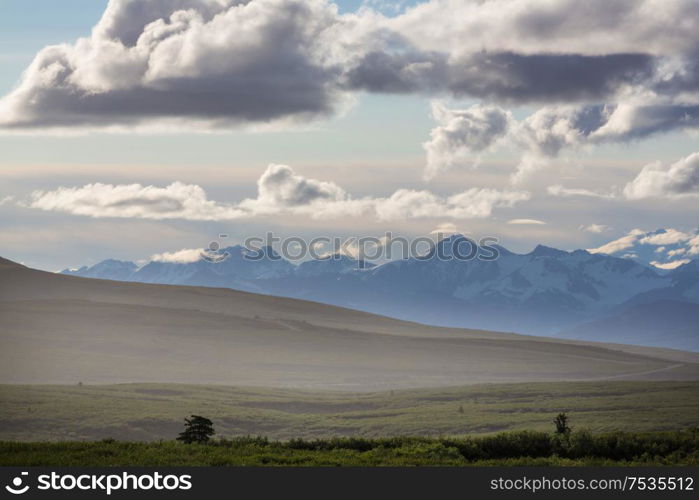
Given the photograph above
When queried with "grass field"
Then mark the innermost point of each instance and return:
(517, 448)
(150, 412)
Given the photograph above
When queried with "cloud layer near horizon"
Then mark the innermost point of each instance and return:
(221, 63)
(280, 191)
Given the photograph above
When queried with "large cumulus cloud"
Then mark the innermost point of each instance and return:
(222, 63)
(462, 134)
(681, 179)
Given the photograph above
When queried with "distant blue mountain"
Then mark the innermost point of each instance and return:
(660, 323)
(543, 292)
(109, 269)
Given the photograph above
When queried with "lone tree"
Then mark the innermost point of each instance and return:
(197, 430)
(561, 423)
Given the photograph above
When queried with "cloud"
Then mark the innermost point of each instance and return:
(462, 134)
(594, 27)
(623, 243)
(672, 242)
(693, 246)
(675, 253)
(514, 77)
(560, 191)
(667, 237)
(472, 203)
(669, 265)
(279, 187)
(501, 50)
(503, 76)
(526, 221)
(681, 179)
(640, 116)
(212, 64)
(176, 201)
(280, 191)
(595, 228)
(552, 128)
(6, 199)
(447, 228)
(183, 256)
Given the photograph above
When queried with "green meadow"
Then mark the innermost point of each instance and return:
(152, 412)
(513, 448)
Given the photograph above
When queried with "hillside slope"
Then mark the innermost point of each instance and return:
(65, 329)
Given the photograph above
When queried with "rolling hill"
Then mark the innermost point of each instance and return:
(544, 292)
(65, 329)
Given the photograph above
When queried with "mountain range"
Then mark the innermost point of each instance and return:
(550, 292)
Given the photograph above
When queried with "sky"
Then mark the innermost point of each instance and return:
(153, 126)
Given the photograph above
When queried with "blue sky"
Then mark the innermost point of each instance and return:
(372, 148)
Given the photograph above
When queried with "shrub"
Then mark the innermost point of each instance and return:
(197, 429)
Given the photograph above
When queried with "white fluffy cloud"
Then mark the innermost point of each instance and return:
(280, 188)
(176, 201)
(280, 191)
(624, 243)
(595, 228)
(183, 256)
(669, 265)
(681, 179)
(472, 203)
(462, 134)
(222, 63)
(209, 62)
(668, 237)
(552, 129)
